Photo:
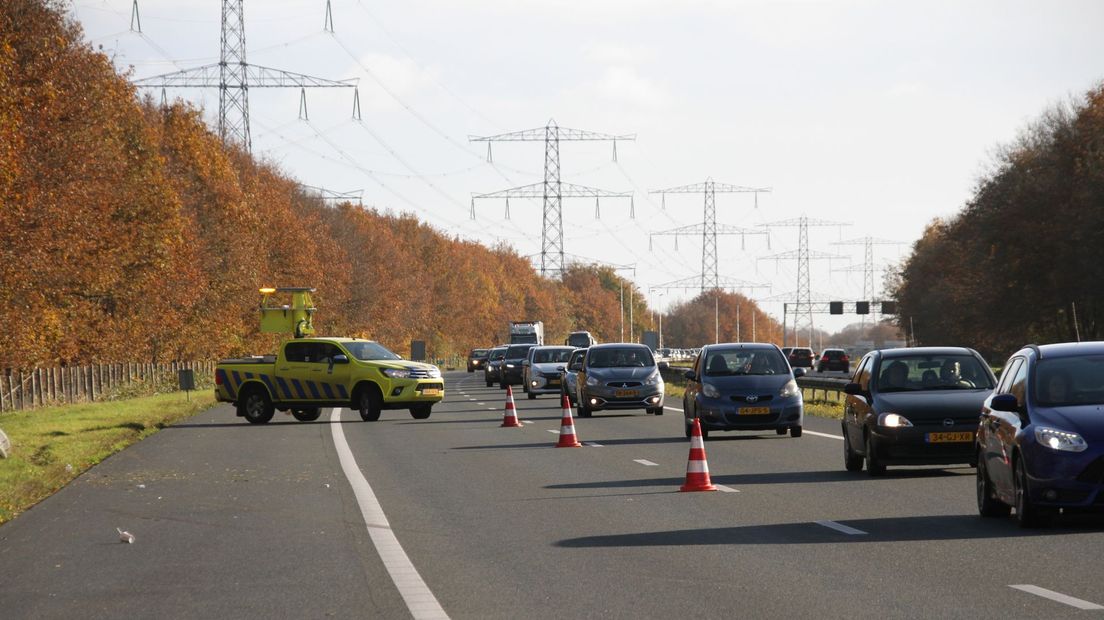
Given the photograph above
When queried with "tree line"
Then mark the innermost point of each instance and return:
(1020, 262)
(130, 232)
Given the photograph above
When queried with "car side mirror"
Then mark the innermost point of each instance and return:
(524, 362)
(560, 369)
(339, 359)
(690, 376)
(798, 373)
(853, 389)
(1005, 402)
(663, 365)
(576, 367)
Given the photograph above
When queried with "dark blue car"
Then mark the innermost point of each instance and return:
(1040, 440)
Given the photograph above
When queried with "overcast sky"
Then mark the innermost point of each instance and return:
(877, 114)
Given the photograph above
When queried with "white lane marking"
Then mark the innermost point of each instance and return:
(417, 595)
(646, 462)
(809, 432)
(484, 404)
(491, 409)
(721, 487)
(592, 444)
(1057, 596)
(470, 398)
(526, 421)
(552, 431)
(839, 527)
(674, 409)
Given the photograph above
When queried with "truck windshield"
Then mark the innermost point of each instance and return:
(369, 351)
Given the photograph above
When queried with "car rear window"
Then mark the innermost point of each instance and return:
(932, 372)
(727, 362)
(620, 357)
(1069, 381)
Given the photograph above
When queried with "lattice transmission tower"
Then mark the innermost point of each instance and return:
(233, 76)
(552, 190)
(803, 296)
(867, 268)
(708, 228)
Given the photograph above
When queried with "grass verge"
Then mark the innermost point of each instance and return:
(53, 445)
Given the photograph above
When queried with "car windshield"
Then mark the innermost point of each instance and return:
(496, 354)
(548, 356)
(517, 351)
(1067, 381)
(952, 371)
(369, 351)
(621, 357)
(727, 362)
(478, 352)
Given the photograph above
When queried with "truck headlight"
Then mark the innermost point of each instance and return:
(396, 373)
(1060, 440)
(790, 389)
(710, 391)
(893, 420)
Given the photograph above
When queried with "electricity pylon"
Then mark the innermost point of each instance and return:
(867, 267)
(803, 317)
(552, 190)
(233, 76)
(708, 227)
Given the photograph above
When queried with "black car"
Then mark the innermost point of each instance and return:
(1040, 442)
(914, 406)
(801, 357)
(511, 372)
(477, 359)
(492, 372)
(833, 359)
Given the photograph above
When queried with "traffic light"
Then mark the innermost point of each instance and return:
(862, 307)
(835, 307)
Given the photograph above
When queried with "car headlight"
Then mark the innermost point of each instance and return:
(790, 389)
(654, 379)
(396, 373)
(592, 381)
(509, 365)
(893, 420)
(434, 372)
(1060, 440)
(710, 391)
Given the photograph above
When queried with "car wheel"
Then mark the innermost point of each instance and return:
(370, 403)
(874, 467)
(490, 383)
(502, 385)
(689, 429)
(795, 431)
(584, 411)
(532, 396)
(1028, 515)
(307, 415)
(987, 502)
(851, 461)
(705, 432)
(780, 431)
(257, 406)
(421, 412)
(658, 410)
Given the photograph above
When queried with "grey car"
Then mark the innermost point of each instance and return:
(619, 376)
(541, 370)
(743, 387)
(570, 375)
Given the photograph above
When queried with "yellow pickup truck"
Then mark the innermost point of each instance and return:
(310, 373)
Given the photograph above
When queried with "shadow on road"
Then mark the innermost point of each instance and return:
(512, 446)
(736, 480)
(890, 529)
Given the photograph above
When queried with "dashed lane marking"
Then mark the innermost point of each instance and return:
(1057, 597)
(413, 589)
(721, 487)
(646, 462)
(839, 527)
(592, 444)
(808, 432)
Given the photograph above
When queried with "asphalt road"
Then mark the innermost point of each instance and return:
(237, 520)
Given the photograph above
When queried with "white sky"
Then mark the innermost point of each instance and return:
(880, 114)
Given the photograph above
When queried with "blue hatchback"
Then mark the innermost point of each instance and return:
(1040, 440)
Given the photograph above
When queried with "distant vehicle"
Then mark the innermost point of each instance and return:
(527, 332)
(786, 352)
(619, 376)
(580, 340)
(541, 373)
(801, 357)
(833, 359)
(570, 375)
(477, 359)
(512, 365)
(492, 373)
(1040, 442)
(914, 406)
(743, 387)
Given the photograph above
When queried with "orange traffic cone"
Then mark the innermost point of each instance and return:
(567, 428)
(510, 418)
(697, 470)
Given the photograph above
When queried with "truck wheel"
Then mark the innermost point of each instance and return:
(307, 415)
(370, 403)
(421, 412)
(256, 406)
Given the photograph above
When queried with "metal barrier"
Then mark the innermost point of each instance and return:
(824, 384)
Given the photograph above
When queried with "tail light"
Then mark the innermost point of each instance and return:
(824, 359)
(843, 358)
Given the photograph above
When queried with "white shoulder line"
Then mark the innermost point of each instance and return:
(419, 599)
(809, 432)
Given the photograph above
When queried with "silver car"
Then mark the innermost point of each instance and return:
(619, 376)
(570, 374)
(541, 371)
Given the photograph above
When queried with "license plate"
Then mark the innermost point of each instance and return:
(625, 393)
(431, 392)
(950, 437)
(554, 382)
(755, 411)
